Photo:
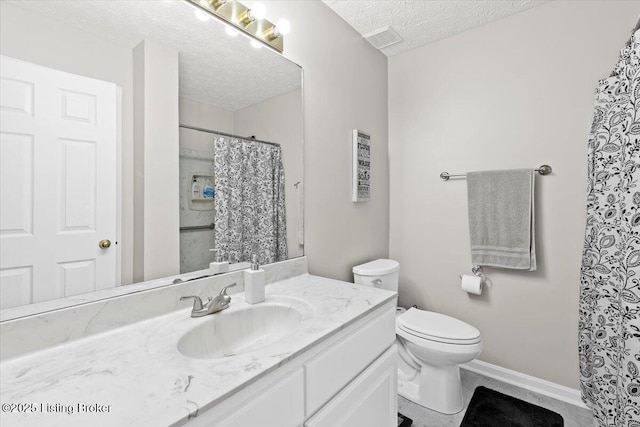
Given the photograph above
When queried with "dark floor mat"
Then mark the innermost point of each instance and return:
(404, 421)
(489, 408)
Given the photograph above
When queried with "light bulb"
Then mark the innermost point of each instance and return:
(259, 11)
(283, 26)
(256, 44)
(202, 16)
(216, 4)
(271, 33)
(232, 32)
(246, 17)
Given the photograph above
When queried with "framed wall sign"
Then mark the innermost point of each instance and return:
(361, 166)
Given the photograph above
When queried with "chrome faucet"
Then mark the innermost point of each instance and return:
(213, 305)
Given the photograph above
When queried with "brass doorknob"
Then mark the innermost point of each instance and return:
(104, 244)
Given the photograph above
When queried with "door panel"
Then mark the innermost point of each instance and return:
(77, 190)
(16, 286)
(77, 276)
(16, 184)
(17, 96)
(77, 106)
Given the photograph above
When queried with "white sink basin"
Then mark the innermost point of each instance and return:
(233, 332)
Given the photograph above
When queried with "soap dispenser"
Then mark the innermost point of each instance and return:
(218, 266)
(254, 281)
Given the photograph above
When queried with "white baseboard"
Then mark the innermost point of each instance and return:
(536, 385)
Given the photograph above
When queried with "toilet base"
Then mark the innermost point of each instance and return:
(436, 387)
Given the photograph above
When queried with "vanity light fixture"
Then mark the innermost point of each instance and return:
(216, 4)
(250, 21)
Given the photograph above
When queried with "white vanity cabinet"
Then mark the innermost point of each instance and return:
(349, 379)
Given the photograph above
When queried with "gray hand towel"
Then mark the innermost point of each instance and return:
(501, 218)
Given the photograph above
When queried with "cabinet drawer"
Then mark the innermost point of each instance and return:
(280, 406)
(371, 400)
(333, 369)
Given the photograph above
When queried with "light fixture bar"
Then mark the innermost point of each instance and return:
(240, 17)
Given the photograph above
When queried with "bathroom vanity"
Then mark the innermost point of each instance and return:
(317, 352)
(348, 379)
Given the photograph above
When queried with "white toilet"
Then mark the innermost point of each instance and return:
(431, 345)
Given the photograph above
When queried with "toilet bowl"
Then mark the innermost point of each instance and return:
(431, 346)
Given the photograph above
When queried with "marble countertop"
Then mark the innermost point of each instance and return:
(135, 375)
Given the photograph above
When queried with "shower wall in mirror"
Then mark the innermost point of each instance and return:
(121, 187)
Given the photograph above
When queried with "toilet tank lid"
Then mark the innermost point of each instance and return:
(377, 267)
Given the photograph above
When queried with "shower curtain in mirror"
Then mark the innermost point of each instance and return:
(609, 325)
(249, 201)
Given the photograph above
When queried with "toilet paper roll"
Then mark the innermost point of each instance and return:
(472, 284)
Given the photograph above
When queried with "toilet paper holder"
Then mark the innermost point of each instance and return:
(477, 271)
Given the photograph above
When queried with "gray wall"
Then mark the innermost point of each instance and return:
(515, 93)
(345, 88)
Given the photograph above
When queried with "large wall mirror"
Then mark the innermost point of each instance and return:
(137, 136)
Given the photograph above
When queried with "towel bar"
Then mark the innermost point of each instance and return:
(542, 170)
(198, 227)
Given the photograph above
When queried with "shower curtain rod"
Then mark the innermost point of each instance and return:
(215, 132)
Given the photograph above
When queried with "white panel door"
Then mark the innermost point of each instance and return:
(57, 183)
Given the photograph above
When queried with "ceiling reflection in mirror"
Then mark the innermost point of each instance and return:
(225, 145)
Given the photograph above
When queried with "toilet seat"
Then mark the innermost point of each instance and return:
(437, 327)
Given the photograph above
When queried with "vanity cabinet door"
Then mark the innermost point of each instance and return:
(369, 401)
(281, 406)
(337, 366)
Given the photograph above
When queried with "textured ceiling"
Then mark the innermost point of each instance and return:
(215, 68)
(421, 22)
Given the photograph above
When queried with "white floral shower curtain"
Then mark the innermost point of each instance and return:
(249, 201)
(609, 328)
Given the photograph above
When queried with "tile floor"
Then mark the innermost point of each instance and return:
(574, 416)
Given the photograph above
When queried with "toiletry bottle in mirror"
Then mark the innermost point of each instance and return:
(195, 188)
(218, 266)
(254, 282)
(207, 192)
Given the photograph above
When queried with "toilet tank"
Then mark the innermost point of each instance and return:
(381, 273)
